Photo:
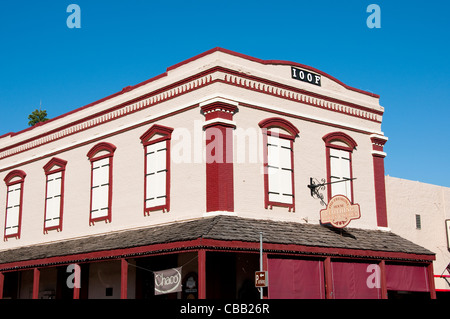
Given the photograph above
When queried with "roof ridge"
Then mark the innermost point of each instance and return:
(214, 222)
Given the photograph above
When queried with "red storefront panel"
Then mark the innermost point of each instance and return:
(407, 278)
(351, 281)
(296, 279)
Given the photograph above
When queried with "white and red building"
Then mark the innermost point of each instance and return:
(186, 169)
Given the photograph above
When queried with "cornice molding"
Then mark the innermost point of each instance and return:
(192, 83)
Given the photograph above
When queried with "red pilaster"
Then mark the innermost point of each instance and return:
(201, 274)
(123, 279)
(378, 155)
(36, 275)
(219, 155)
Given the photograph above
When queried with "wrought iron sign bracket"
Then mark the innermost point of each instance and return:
(315, 187)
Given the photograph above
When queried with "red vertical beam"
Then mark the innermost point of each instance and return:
(2, 281)
(328, 278)
(383, 287)
(76, 292)
(123, 279)
(378, 155)
(77, 282)
(219, 155)
(201, 274)
(430, 273)
(36, 275)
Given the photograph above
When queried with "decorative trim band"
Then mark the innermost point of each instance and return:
(219, 121)
(213, 75)
(298, 95)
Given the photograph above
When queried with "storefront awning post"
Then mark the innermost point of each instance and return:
(201, 274)
(2, 280)
(328, 278)
(123, 278)
(430, 272)
(77, 280)
(36, 275)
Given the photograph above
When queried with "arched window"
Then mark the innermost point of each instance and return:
(156, 141)
(14, 202)
(54, 194)
(278, 140)
(101, 157)
(339, 149)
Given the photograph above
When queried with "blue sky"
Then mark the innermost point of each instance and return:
(122, 43)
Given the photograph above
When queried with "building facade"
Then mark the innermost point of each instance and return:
(420, 213)
(186, 169)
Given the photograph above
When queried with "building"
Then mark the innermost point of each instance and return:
(422, 215)
(186, 170)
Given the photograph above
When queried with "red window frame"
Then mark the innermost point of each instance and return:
(13, 178)
(266, 126)
(147, 139)
(330, 143)
(94, 157)
(55, 165)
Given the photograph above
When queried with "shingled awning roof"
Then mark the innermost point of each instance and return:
(224, 228)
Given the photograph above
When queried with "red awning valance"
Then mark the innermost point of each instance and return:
(350, 281)
(407, 278)
(296, 279)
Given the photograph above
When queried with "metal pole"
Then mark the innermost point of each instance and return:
(261, 260)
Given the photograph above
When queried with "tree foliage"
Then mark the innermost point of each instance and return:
(37, 116)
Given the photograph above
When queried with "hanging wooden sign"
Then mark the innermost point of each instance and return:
(339, 212)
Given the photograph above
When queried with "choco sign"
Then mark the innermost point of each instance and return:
(167, 281)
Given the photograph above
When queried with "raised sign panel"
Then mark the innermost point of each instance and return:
(306, 76)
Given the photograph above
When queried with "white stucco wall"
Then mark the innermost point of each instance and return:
(405, 200)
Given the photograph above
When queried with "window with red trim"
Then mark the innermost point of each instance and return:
(156, 143)
(339, 149)
(14, 202)
(101, 157)
(278, 142)
(54, 194)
